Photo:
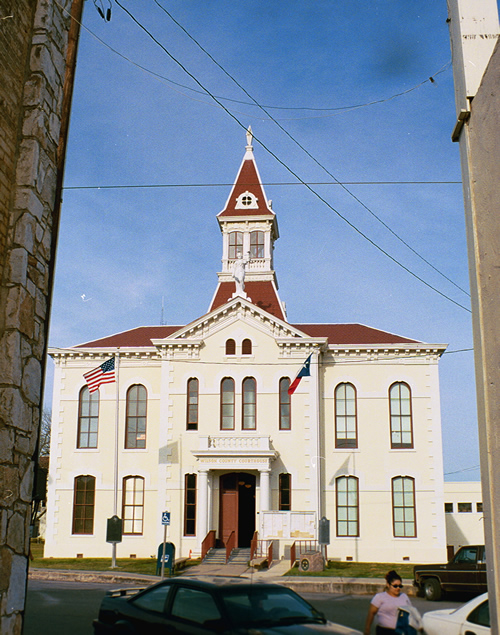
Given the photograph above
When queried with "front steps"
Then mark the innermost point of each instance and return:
(240, 556)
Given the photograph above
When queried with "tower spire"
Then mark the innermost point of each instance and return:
(249, 229)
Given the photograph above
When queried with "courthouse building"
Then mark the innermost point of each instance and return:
(200, 422)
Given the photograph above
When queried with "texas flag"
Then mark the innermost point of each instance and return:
(303, 372)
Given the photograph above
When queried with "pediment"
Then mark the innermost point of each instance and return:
(237, 309)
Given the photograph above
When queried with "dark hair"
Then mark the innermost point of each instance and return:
(391, 576)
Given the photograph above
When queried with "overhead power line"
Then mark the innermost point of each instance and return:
(333, 110)
(323, 167)
(269, 184)
(281, 162)
(243, 126)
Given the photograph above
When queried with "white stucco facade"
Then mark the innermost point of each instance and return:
(463, 514)
(215, 458)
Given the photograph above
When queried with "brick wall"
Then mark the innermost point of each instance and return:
(33, 48)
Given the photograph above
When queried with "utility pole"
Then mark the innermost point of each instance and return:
(474, 31)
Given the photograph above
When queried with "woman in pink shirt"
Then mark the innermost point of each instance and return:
(385, 606)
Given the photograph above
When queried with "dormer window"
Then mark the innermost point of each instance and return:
(247, 200)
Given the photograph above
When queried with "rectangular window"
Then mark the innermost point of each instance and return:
(285, 414)
(192, 405)
(249, 404)
(135, 427)
(133, 505)
(345, 417)
(227, 404)
(83, 505)
(448, 508)
(347, 506)
(257, 244)
(401, 416)
(403, 507)
(190, 505)
(464, 508)
(285, 487)
(235, 245)
(479, 507)
(88, 419)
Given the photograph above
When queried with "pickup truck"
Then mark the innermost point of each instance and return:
(466, 571)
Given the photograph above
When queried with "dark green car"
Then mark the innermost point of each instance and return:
(211, 604)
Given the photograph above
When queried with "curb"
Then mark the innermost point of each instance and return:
(348, 586)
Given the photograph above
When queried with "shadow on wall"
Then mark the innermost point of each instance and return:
(169, 453)
(455, 534)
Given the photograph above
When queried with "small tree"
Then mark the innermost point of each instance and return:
(45, 432)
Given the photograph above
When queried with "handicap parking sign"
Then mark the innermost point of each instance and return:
(165, 518)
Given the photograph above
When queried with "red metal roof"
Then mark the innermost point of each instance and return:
(135, 338)
(337, 334)
(261, 293)
(247, 180)
(352, 334)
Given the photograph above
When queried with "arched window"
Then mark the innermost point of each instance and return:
(285, 412)
(235, 245)
(133, 505)
(88, 418)
(285, 489)
(249, 402)
(83, 505)
(403, 507)
(227, 404)
(230, 347)
(401, 416)
(246, 347)
(190, 505)
(345, 417)
(135, 427)
(192, 404)
(347, 506)
(257, 244)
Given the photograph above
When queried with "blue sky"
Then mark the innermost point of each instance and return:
(317, 66)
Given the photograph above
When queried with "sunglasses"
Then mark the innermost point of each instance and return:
(397, 586)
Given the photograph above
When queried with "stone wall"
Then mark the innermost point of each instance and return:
(33, 48)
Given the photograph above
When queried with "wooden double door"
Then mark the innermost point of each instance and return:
(237, 508)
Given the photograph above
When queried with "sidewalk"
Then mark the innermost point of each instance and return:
(301, 584)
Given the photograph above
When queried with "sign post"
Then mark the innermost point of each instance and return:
(114, 531)
(165, 521)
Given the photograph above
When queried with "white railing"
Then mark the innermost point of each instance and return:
(256, 264)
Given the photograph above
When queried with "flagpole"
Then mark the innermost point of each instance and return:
(117, 428)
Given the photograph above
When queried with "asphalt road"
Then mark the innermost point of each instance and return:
(68, 608)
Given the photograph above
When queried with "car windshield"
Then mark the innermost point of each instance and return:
(257, 606)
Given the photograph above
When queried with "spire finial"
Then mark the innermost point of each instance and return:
(249, 138)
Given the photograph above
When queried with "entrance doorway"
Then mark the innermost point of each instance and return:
(237, 508)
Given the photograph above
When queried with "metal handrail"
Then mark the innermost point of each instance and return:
(302, 546)
(208, 543)
(270, 554)
(253, 544)
(230, 544)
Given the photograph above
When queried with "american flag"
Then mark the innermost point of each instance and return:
(103, 374)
